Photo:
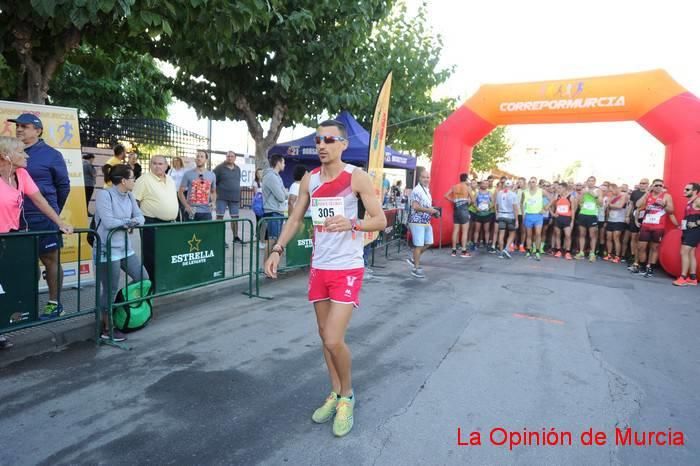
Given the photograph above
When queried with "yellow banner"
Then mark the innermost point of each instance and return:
(377, 141)
(62, 133)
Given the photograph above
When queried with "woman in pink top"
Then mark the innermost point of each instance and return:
(15, 183)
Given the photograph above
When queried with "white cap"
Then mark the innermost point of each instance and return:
(509, 183)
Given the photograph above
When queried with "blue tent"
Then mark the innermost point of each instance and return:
(303, 150)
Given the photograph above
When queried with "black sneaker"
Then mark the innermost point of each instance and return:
(648, 273)
(237, 240)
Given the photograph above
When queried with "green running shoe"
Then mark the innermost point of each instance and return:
(591, 257)
(342, 424)
(327, 410)
(580, 255)
(537, 256)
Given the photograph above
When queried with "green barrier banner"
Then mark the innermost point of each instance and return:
(18, 281)
(189, 256)
(299, 248)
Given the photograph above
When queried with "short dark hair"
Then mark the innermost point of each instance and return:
(463, 177)
(654, 182)
(88, 156)
(275, 159)
(564, 184)
(206, 154)
(119, 149)
(299, 172)
(337, 124)
(695, 186)
(118, 173)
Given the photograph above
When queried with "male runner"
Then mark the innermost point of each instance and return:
(521, 187)
(588, 219)
(563, 209)
(460, 195)
(616, 223)
(656, 204)
(603, 218)
(508, 212)
(691, 236)
(337, 264)
(533, 206)
(635, 216)
(483, 202)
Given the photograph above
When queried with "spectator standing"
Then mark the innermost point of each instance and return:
(48, 170)
(15, 184)
(116, 207)
(299, 172)
(419, 222)
(690, 225)
(176, 172)
(135, 165)
(119, 158)
(200, 185)
(257, 203)
(156, 196)
(228, 191)
(274, 196)
(89, 176)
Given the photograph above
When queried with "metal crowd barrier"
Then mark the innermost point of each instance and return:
(19, 279)
(183, 256)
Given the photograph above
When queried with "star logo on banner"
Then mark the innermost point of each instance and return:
(194, 243)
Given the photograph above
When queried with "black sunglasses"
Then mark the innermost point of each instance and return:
(687, 189)
(328, 139)
(658, 186)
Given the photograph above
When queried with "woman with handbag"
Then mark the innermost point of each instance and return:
(116, 208)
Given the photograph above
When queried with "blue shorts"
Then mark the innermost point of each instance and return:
(45, 243)
(421, 235)
(533, 220)
(274, 227)
(232, 206)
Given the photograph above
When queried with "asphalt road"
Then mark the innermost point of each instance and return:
(481, 344)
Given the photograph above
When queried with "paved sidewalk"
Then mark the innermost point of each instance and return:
(481, 343)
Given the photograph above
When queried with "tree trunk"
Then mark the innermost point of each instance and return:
(38, 75)
(263, 142)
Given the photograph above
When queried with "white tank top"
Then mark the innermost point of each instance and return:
(336, 250)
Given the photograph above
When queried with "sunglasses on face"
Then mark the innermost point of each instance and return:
(687, 189)
(328, 139)
(658, 186)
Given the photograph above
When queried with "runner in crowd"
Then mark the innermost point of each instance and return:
(616, 223)
(691, 236)
(460, 195)
(563, 209)
(587, 219)
(656, 204)
(546, 216)
(521, 187)
(602, 218)
(484, 205)
(625, 241)
(334, 191)
(508, 212)
(474, 186)
(635, 216)
(533, 207)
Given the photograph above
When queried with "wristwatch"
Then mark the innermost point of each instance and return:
(356, 225)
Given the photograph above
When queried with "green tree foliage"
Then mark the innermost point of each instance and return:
(571, 170)
(120, 83)
(36, 35)
(408, 47)
(288, 65)
(491, 151)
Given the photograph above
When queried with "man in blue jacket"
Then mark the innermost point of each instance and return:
(48, 170)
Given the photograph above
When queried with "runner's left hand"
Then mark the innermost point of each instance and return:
(337, 223)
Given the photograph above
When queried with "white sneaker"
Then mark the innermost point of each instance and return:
(418, 272)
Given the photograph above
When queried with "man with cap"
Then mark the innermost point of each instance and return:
(48, 170)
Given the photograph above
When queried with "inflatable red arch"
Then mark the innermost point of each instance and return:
(652, 98)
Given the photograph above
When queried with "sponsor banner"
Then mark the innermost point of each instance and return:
(61, 132)
(377, 141)
(247, 173)
(189, 256)
(300, 247)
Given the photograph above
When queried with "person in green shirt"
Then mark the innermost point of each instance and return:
(587, 219)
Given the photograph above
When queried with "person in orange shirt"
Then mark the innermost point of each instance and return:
(461, 196)
(562, 211)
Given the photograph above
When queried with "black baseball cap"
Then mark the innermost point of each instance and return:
(28, 118)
